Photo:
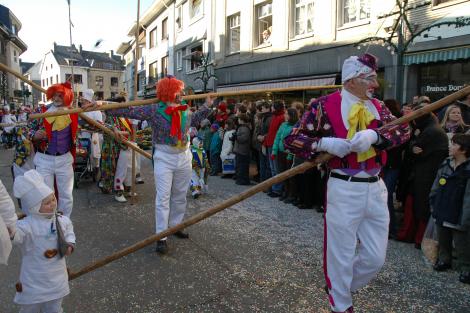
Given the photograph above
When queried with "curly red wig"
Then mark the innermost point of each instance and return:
(65, 89)
(168, 88)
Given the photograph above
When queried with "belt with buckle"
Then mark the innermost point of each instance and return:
(55, 154)
(372, 179)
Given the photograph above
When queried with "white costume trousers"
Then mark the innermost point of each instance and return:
(54, 306)
(60, 167)
(355, 211)
(172, 178)
(124, 169)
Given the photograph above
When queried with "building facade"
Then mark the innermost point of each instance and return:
(437, 62)
(11, 47)
(261, 44)
(99, 71)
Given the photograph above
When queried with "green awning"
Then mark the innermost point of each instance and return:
(457, 53)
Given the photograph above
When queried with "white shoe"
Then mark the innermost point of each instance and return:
(120, 198)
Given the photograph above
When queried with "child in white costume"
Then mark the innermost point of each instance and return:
(201, 169)
(43, 278)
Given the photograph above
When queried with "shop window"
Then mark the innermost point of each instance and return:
(263, 23)
(233, 31)
(353, 11)
(303, 17)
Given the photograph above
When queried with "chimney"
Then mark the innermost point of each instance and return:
(111, 54)
(55, 45)
(80, 48)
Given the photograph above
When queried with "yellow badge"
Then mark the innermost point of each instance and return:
(442, 181)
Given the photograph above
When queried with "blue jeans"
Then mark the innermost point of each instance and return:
(390, 180)
(264, 169)
(277, 188)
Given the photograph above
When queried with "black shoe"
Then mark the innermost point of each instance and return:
(288, 200)
(283, 197)
(441, 266)
(162, 247)
(418, 246)
(319, 208)
(464, 277)
(273, 194)
(181, 235)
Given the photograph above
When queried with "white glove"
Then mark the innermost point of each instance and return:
(363, 139)
(336, 146)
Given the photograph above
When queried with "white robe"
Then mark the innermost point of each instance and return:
(42, 279)
(7, 219)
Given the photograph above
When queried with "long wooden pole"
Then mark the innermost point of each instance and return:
(136, 83)
(254, 190)
(82, 116)
(105, 106)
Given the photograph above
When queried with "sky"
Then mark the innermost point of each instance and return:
(46, 21)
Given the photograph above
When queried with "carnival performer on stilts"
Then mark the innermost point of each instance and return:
(54, 141)
(170, 122)
(349, 125)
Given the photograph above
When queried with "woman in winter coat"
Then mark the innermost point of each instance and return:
(279, 155)
(429, 148)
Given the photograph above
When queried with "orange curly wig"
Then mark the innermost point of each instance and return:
(168, 88)
(65, 89)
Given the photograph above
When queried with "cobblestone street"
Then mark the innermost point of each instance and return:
(259, 256)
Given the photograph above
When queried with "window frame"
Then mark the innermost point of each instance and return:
(179, 59)
(199, 13)
(99, 81)
(259, 41)
(230, 29)
(155, 76)
(295, 20)
(179, 18)
(358, 20)
(111, 81)
(165, 33)
(164, 63)
(153, 38)
(189, 57)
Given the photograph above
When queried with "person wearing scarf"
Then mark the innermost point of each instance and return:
(169, 119)
(347, 124)
(54, 142)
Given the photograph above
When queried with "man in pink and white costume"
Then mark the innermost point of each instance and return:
(349, 125)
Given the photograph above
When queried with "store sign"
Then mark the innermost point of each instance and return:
(443, 88)
(462, 14)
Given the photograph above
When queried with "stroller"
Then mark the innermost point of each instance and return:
(83, 166)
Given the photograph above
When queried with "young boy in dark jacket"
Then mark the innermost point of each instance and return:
(242, 149)
(450, 203)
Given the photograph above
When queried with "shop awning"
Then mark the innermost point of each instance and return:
(457, 53)
(319, 81)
